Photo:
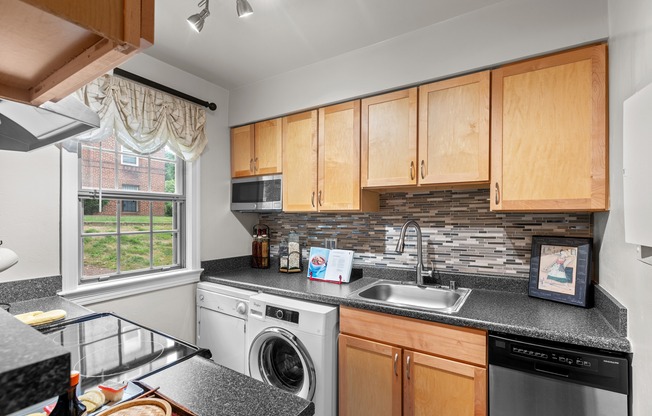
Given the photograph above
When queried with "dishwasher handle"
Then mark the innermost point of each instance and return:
(552, 372)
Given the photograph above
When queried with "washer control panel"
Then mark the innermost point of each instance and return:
(281, 314)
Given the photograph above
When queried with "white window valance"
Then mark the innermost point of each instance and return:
(143, 119)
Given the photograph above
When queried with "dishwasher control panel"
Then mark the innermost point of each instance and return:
(555, 356)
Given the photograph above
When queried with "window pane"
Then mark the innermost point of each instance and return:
(134, 177)
(96, 221)
(134, 252)
(100, 255)
(164, 248)
(137, 220)
(90, 168)
(162, 215)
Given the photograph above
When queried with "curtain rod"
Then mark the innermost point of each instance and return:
(128, 75)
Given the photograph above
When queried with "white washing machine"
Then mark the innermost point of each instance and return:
(222, 313)
(293, 346)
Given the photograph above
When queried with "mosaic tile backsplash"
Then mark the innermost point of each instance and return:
(460, 233)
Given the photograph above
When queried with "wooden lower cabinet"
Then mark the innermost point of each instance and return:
(370, 377)
(391, 376)
(436, 386)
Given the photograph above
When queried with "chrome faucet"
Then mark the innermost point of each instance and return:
(400, 246)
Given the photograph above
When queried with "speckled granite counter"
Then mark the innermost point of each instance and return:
(210, 389)
(501, 311)
(73, 311)
(31, 368)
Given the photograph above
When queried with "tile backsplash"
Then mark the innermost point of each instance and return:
(460, 233)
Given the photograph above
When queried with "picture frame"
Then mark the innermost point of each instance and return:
(560, 269)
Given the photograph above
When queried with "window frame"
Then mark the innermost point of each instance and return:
(126, 152)
(102, 290)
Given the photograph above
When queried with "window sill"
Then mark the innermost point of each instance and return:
(89, 293)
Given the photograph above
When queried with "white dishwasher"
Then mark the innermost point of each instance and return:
(222, 323)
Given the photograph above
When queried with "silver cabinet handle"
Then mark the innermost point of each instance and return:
(423, 175)
(255, 164)
(407, 367)
(412, 170)
(321, 201)
(312, 199)
(251, 165)
(497, 193)
(396, 364)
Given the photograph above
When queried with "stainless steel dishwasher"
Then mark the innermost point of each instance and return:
(532, 378)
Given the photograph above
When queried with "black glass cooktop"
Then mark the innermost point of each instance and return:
(105, 347)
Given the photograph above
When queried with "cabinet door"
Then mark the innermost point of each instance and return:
(339, 157)
(389, 139)
(242, 151)
(300, 162)
(268, 158)
(436, 386)
(549, 133)
(369, 378)
(454, 130)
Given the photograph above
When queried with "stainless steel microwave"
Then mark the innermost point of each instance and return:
(257, 194)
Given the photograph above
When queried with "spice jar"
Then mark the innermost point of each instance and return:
(294, 253)
(283, 256)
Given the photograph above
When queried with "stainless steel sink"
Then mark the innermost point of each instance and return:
(433, 298)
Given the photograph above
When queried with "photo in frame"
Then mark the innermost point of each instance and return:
(560, 269)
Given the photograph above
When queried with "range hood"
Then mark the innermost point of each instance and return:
(24, 128)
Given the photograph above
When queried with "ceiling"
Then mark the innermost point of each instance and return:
(283, 35)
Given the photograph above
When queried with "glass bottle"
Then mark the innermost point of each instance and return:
(68, 403)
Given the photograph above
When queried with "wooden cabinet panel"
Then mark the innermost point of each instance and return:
(369, 378)
(339, 157)
(300, 162)
(549, 133)
(52, 48)
(464, 344)
(454, 130)
(268, 154)
(436, 386)
(242, 151)
(389, 139)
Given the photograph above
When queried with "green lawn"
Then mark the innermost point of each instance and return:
(100, 253)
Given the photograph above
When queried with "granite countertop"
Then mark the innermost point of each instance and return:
(208, 389)
(501, 311)
(73, 310)
(32, 368)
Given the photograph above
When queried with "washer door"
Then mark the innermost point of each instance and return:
(278, 358)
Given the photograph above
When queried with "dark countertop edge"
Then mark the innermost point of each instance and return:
(619, 344)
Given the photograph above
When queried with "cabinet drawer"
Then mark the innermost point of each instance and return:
(458, 343)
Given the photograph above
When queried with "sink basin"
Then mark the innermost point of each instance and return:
(432, 298)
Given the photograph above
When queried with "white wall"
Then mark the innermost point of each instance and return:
(509, 30)
(171, 311)
(630, 281)
(29, 212)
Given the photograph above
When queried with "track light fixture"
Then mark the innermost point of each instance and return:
(196, 21)
(244, 8)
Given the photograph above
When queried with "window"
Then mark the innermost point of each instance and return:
(132, 219)
(130, 206)
(127, 157)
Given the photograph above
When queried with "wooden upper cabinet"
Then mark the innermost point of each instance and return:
(242, 151)
(268, 154)
(389, 139)
(256, 149)
(300, 162)
(370, 375)
(339, 157)
(454, 130)
(50, 48)
(549, 133)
